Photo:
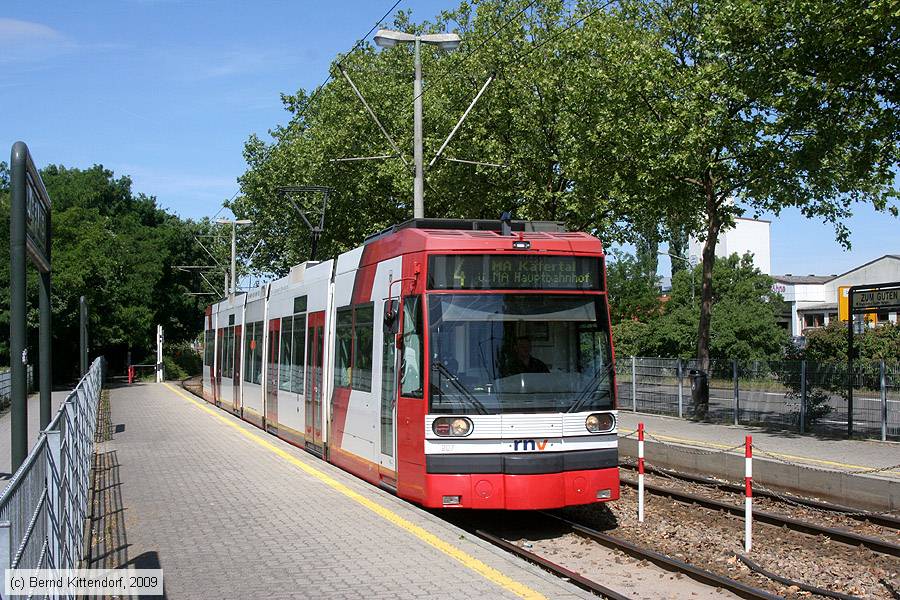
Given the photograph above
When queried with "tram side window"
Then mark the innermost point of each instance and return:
(228, 353)
(253, 352)
(284, 363)
(248, 352)
(413, 348)
(298, 353)
(343, 347)
(363, 324)
(258, 353)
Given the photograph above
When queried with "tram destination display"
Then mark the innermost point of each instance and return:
(513, 272)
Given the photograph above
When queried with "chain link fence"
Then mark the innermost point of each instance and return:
(802, 396)
(44, 506)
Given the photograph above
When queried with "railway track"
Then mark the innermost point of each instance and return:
(713, 582)
(847, 537)
(548, 565)
(882, 520)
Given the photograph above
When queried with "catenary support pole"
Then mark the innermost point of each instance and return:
(419, 184)
(233, 257)
(748, 493)
(640, 472)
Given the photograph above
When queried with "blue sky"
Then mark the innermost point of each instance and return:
(167, 91)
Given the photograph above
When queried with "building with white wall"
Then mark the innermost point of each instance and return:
(748, 235)
(813, 299)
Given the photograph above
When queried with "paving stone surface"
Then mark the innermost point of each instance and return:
(225, 517)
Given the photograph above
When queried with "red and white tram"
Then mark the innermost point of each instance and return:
(458, 363)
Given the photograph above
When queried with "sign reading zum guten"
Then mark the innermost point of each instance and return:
(876, 299)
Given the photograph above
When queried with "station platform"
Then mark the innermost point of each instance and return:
(227, 510)
(856, 473)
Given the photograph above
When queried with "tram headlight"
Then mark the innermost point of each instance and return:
(452, 426)
(600, 422)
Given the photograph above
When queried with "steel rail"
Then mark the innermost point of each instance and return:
(558, 570)
(847, 511)
(847, 537)
(668, 563)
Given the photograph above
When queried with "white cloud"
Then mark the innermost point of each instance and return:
(27, 41)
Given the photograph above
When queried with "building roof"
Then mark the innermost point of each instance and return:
(802, 278)
(818, 279)
(822, 306)
(891, 256)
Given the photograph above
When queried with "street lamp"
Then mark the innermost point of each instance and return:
(388, 38)
(691, 262)
(234, 223)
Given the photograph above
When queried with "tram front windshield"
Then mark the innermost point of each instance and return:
(519, 353)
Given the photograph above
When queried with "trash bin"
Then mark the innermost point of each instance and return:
(699, 391)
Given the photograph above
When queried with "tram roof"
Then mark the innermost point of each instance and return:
(470, 225)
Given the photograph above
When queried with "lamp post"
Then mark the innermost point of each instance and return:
(234, 223)
(691, 263)
(388, 38)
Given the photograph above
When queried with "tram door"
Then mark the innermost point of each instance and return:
(236, 380)
(388, 411)
(315, 384)
(220, 356)
(271, 411)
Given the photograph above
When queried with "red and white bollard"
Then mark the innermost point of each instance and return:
(640, 472)
(748, 493)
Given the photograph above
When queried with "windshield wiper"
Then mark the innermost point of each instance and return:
(588, 392)
(462, 389)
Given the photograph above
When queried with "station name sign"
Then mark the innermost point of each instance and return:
(870, 300)
(37, 221)
(513, 272)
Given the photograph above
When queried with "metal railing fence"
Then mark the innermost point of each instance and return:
(6, 383)
(44, 506)
(803, 396)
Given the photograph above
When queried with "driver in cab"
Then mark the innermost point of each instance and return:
(521, 360)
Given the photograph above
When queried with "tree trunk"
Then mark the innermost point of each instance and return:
(714, 225)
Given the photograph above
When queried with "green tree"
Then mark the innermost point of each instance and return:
(525, 121)
(744, 324)
(829, 344)
(118, 250)
(633, 288)
(746, 106)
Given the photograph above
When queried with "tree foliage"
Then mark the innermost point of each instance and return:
(714, 109)
(117, 249)
(829, 344)
(525, 121)
(633, 288)
(744, 324)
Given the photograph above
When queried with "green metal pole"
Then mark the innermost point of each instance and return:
(18, 356)
(45, 339)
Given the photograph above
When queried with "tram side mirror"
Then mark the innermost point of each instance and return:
(391, 315)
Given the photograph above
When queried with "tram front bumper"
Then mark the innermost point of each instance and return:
(521, 492)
